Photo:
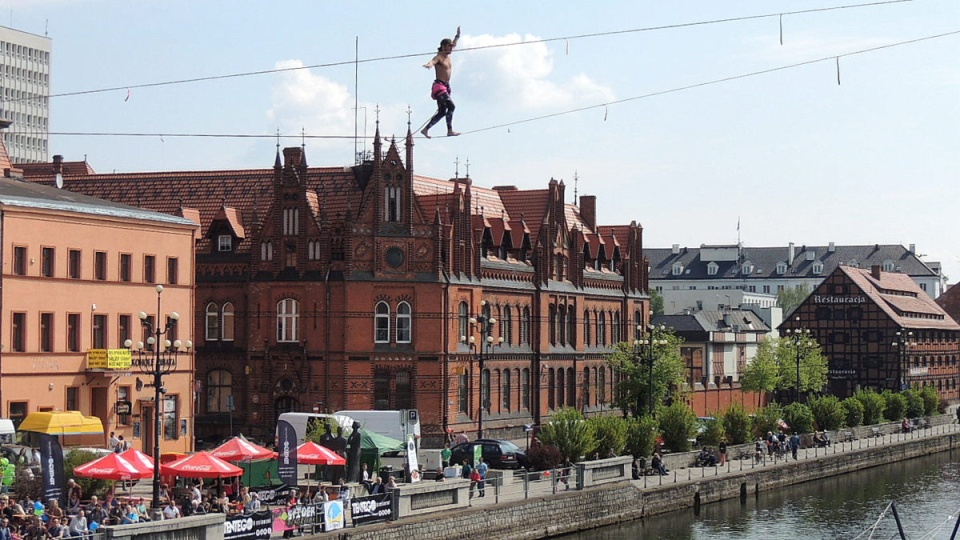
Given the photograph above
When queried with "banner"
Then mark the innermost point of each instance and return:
(287, 453)
(333, 517)
(249, 526)
(51, 465)
(272, 495)
(371, 508)
(293, 517)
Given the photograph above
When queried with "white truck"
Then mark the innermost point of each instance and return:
(302, 422)
(396, 424)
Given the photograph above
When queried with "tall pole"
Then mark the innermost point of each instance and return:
(484, 324)
(650, 375)
(797, 341)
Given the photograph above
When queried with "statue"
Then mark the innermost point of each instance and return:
(327, 440)
(339, 446)
(353, 454)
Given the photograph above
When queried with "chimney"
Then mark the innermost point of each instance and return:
(588, 210)
(57, 164)
(913, 249)
(875, 272)
(676, 249)
(791, 253)
(832, 247)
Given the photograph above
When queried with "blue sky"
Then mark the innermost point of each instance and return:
(791, 154)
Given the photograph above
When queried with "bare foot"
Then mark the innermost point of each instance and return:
(452, 133)
(424, 133)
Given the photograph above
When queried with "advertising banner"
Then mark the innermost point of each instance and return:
(248, 526)
(371, 508)
(413, 466)
(272, 495)
(333, 516)
(51, 463)
(287, 453)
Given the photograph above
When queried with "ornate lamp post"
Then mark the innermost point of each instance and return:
(904, 341)
(647, 343)
(157, 361)
(482, 324)
(800, 337)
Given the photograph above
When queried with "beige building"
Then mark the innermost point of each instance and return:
(76, 273)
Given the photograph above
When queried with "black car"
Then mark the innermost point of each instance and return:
(497, 453)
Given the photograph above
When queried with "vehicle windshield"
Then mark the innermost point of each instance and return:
(509, 446)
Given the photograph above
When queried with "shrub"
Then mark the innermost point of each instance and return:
(799, 417)
(27, 484)
(852, 411)
(678, 424)
(894, 405)
(914, 403)
(931, 400)
(91, 486)
(570, 433)
(610, 433)
(736, 424)
(641, 436)
(766, 420)
(828, 412)
(712, 433)
(873, 405)
(543, 457)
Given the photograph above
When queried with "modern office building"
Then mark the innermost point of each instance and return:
(25, 82)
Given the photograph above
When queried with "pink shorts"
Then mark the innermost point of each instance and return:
(439, 88)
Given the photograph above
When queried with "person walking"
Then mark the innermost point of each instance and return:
(482, 469)
(794, 445)
(440, 91)
(722, 449)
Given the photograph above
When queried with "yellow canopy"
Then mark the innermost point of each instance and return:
(62, 423)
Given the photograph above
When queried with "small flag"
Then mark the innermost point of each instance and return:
(605, 111)
(126, 99)
(738, 223)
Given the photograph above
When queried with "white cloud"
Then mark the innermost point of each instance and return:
(522, 75)
(303, 100)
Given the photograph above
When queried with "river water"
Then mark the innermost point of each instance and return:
(926, 491)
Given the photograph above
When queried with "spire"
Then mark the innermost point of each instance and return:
(377, 144)
(303, 149)
(277, 164)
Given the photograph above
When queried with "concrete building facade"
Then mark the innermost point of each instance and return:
(25, 81)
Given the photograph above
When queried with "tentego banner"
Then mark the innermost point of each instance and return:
(248, 526)
(286, 453)
(51, 457)
(371, 508)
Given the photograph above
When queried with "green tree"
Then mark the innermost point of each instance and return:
(914, 403)
(766, 420)
(853, 411)
(813, 364)
(799, 417)
(789, 298)
(762, 373)
(873, 405)
(610, 433)
(91, 486)
(895, 405)
(641, 436)
(931, 400)
(656, 303)
(632, 392)
(828, 412)
(712, 432)
(570, 433)
(736, 424)
(678, 424)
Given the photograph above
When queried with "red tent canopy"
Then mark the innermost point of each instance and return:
(200, 465)
(138, 459)
(311, 453)
(110, 467)
(240, 449)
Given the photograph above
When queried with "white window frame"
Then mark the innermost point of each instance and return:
(224, 242)
(404, 323)
(288, 317)
(677, 269)
(227, 330)
(381, 323)
(781, 268)
(817, 268)
(712, 268)
(212, 325)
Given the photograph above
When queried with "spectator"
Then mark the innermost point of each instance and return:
(113, 442)
(365, 477)
(5, 529)
(439, 478)
(78, 525)
(56, 530)
(376, 487)
(95, 511)
(344, 493)
(391, 484)
(73, 504)
(171, 511)
(55, 511)
(445, 456)
(254, 505)
(657, 464)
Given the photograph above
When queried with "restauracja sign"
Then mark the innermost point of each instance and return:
(831, 299)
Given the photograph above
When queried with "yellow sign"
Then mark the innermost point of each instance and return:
(108, 359)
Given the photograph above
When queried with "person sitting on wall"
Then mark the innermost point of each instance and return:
(657, 464)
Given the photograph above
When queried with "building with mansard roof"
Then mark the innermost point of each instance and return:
(333, 288)
(880, 330)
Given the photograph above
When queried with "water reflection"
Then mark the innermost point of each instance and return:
(927, 492)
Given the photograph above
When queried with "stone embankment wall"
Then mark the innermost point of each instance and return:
(624, 501)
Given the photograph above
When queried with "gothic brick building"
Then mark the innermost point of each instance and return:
(329, 288)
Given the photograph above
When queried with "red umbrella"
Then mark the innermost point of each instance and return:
(311, 453)
(201, 465)
(239, 449)
(138, 459)
(110, 467)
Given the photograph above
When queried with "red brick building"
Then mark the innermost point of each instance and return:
(328, 288)
(880, 330)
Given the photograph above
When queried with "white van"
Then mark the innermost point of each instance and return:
(395, 424)
(302, 422)
(8, 433)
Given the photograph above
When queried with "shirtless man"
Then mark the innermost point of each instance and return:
(441, 86)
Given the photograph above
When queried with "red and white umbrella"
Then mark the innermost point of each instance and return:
(201, 465)
(240, 449)
(110, 467)
(138, 459)
(311, 453)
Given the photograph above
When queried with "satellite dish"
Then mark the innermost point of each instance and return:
(139, 384)
(59, 181)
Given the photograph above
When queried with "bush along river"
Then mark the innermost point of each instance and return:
(855, 505)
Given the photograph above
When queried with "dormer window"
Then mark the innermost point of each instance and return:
(888, 265)
(781, 268)
(225, 242)
(677, 269)
(392, 201)
(291, 221)
(817, 268)
(747, 268)
(712, 268)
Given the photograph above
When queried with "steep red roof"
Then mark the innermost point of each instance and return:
(901, 298)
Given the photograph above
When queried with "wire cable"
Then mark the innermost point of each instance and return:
(501, 45)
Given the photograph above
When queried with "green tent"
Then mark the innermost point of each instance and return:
(383, 444)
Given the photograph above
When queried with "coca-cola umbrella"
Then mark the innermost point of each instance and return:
(111, 467)
(138, 459)
(240, 449)
(311, 453)
(201, 465)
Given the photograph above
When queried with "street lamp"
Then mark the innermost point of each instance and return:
(482, 324)
(903, 342)
(157, 361)
(647, 342)
(800, 338)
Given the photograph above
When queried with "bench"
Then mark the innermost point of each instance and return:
(846, 436)
(919, 423)
(876, 432)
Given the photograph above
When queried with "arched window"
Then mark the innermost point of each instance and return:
(616, 328)
(404, 323)
(288, 317)
(404, 393)
(561, 321)
(586, 328)
(571, 387)
(553, 323)
(571, 327)
(213, 322)
(382, 323)
(505, 392)
(560, 387)
(637, 324)
(602, 385)
(219, 390)
(463, 322)
(602, 329)
(506, 325)
(525, 389)
(585, 383)
(525, 326)
(551, 389)
(485, 389)
(227, 321)
(266, 251)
